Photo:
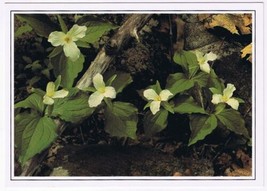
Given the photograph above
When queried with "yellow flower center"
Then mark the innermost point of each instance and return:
(67, 39)
(102, 90)
(157, 98)
(224, 98)
(201, 60)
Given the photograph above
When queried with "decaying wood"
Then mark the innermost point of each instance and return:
(127, 31)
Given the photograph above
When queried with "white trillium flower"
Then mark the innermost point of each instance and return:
(51, 94)
(101, 91)
(203, 60)
(150, 94)
(67, 40)
(226, 97)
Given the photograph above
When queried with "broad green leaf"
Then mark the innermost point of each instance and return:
(34, 101)
(201, 126)
(41, 23)
(219, 108)
(186, 104)
(62, 24)
(201, 78)
(215, 91)
(56, 51)
(57, 82)
(239, 100)
(178, 82)
(192, 63)
(232, 120)
(73, 108)
(155, 123)
(156, 87)
(215, 82)
(68, 69)
(82, 44)
(95, 30)
(33, 134)
(121, 120)
(179, 58)
(23, 29)
(167, 106)
(121, 81)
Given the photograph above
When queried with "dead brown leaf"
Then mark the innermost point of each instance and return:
(231, 22)
(247, 51)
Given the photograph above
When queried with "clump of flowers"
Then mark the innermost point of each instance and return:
(154, 105)
(101, 92)
(52, 93)
(203, 60)
(226, 97)
(58, 38)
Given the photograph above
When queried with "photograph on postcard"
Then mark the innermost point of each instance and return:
(133, 94)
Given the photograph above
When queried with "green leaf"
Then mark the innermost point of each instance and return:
(192, 62)
(34, 101)
(215, 82)
(121, 120)
(167, 106)
(62, 24)
(178, 82)
(33, 134)
(219, 108)
(201, 126)
(68, 69)
(239, 100)
(215, 91)
(179, 58)
(186, 104)
(41, 23)
(23, 29)
(57, 82)
(201, 78)
(82, 44)
(155, 123)
(121, 81)
(72, 109)
(96, 29)
(233, 121)
(156, 87)
(56, 51)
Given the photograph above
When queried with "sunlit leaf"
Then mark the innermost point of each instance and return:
(186, 104)
(34, 101)
(33, 134)
(178, 82)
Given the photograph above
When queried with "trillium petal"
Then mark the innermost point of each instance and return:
(50, 89)
(211, 56)
(150, 94)
(98, 82)
(205, 67)
(233, 103)
(154, 107)
(56, 38)
(165, 94)
(48, 100)
(229, 90)
(110, 92)
(95, 99)
(216, 98)
(71, 50)
(60, 94)
(77, 32)
(199, 55)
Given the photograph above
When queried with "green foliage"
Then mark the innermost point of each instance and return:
(187, 105)
(232, 120)
(155, 123)
(201, 126)
(41, 23)
(33, 134)
(73, 108)
(95, 28)
(178, 83)
(22, 30)
(121, 120)
(121, 81)
(68, 69)
(34, 101)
